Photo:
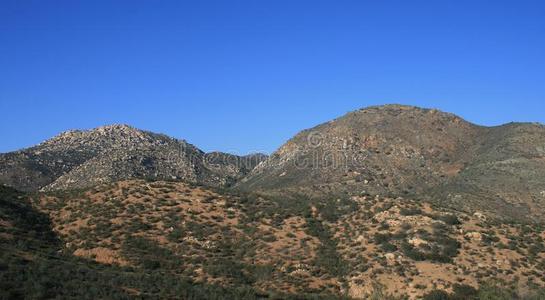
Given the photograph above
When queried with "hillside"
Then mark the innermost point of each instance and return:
(36, 264)
(79, 159)
(191, 231)
(296, 247)
(416, 153)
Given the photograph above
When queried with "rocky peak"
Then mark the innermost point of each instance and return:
(108, 137)
(81, 158)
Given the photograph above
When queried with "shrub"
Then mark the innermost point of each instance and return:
(437, 295)
(489, 291)
(463, 291)
(381, 238)
(450, 219)
(388, 247)
(411, 252)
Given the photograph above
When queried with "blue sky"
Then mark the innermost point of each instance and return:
(244, 76)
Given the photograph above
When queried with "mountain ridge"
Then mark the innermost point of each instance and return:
(390, 150)
(82, 158)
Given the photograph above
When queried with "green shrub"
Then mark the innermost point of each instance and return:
(380, 238)
(437, 295)
(388, 247)
(463, 291)
(450, 219)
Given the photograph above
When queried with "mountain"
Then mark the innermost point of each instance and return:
(417, 153)
(78, 159)
(388, 202)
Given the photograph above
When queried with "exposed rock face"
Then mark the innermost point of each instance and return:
(408, 151)
(77, 159)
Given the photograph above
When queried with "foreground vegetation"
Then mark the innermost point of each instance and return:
(161, 240)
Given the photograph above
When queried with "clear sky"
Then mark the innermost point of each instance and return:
(244, 76)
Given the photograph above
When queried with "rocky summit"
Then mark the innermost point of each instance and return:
(83, 158)
(397, 150)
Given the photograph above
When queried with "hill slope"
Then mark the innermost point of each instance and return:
(78, 159)
(157, 239)
(417, 153)
(35, 263)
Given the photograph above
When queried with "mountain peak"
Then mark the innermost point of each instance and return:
(393, 106)
(117, 127)
(406, 150)
(106, 129)
(82, 158)
(396, 109)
